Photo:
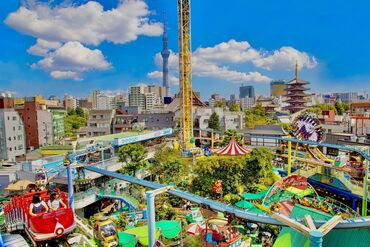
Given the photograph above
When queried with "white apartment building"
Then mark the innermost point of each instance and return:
(12, 135)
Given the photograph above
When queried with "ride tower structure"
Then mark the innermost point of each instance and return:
(185, 71)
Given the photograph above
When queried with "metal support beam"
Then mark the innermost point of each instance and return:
(289, 157)
(70, 187)
(212, 140)
(366, 188)
(150, 195)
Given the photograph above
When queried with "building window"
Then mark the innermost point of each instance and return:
(10, 149)
(13, 128)
(14, 118)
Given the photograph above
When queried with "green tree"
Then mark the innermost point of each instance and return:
(214, 122)
(220, 104)
(134, 156)
(237, 173)
(287, 127)
(79, 111)
(168, 166)
(71, 111)
(229, 134)
(234, 108)
(257, 115)
(72, 124)
(339, 107)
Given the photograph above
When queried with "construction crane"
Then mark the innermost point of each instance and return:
(185, 73)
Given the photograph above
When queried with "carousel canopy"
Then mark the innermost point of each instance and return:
(233, 148)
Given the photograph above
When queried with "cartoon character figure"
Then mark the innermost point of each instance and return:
(217, 187)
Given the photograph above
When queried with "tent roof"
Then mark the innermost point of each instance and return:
(233, 148)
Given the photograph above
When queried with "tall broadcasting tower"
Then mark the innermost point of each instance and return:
(165, 54)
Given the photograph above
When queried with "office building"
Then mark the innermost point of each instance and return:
(6, 101)
(246, 103)
(38, 122)
(12, 139)
(58, 126)
(246, 92)
(346, 97)
(99, 123)
(95, 94)
(136, 96)
(105, 102)
(278, 88)
(70, 102)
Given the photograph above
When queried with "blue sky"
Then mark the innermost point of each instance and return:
(248, 42)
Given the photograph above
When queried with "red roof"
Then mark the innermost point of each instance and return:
(233, 148)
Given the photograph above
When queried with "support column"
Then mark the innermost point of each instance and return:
(289, 157)
(102, 157)
(366, 188)
(212, 140)
(70, 187)
(316, 238)
(151, 217)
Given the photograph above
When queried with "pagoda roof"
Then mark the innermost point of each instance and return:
(295, 107)
(297, 95)
(297, 82)
(296, 101)
(297, 88)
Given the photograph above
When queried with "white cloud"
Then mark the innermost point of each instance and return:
(285, 59)
(88, 23)
(42, 47)
(217, 61)
(228, 52)
(72, 57)
(57, 74)
(159, 75)
(62, 29)
(210, 62)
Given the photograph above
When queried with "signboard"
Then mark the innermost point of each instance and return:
(142, 137)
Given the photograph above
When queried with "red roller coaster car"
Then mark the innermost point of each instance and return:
(44, 227)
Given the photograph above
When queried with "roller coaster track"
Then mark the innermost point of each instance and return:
(220, 207)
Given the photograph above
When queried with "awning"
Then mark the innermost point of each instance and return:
(169, 228)
(126, 239)
(300, 193)
(141, 234)
(255, 196)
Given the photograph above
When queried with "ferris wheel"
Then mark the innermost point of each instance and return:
(307, 127)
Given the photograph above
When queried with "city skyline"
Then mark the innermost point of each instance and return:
(38, 60)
